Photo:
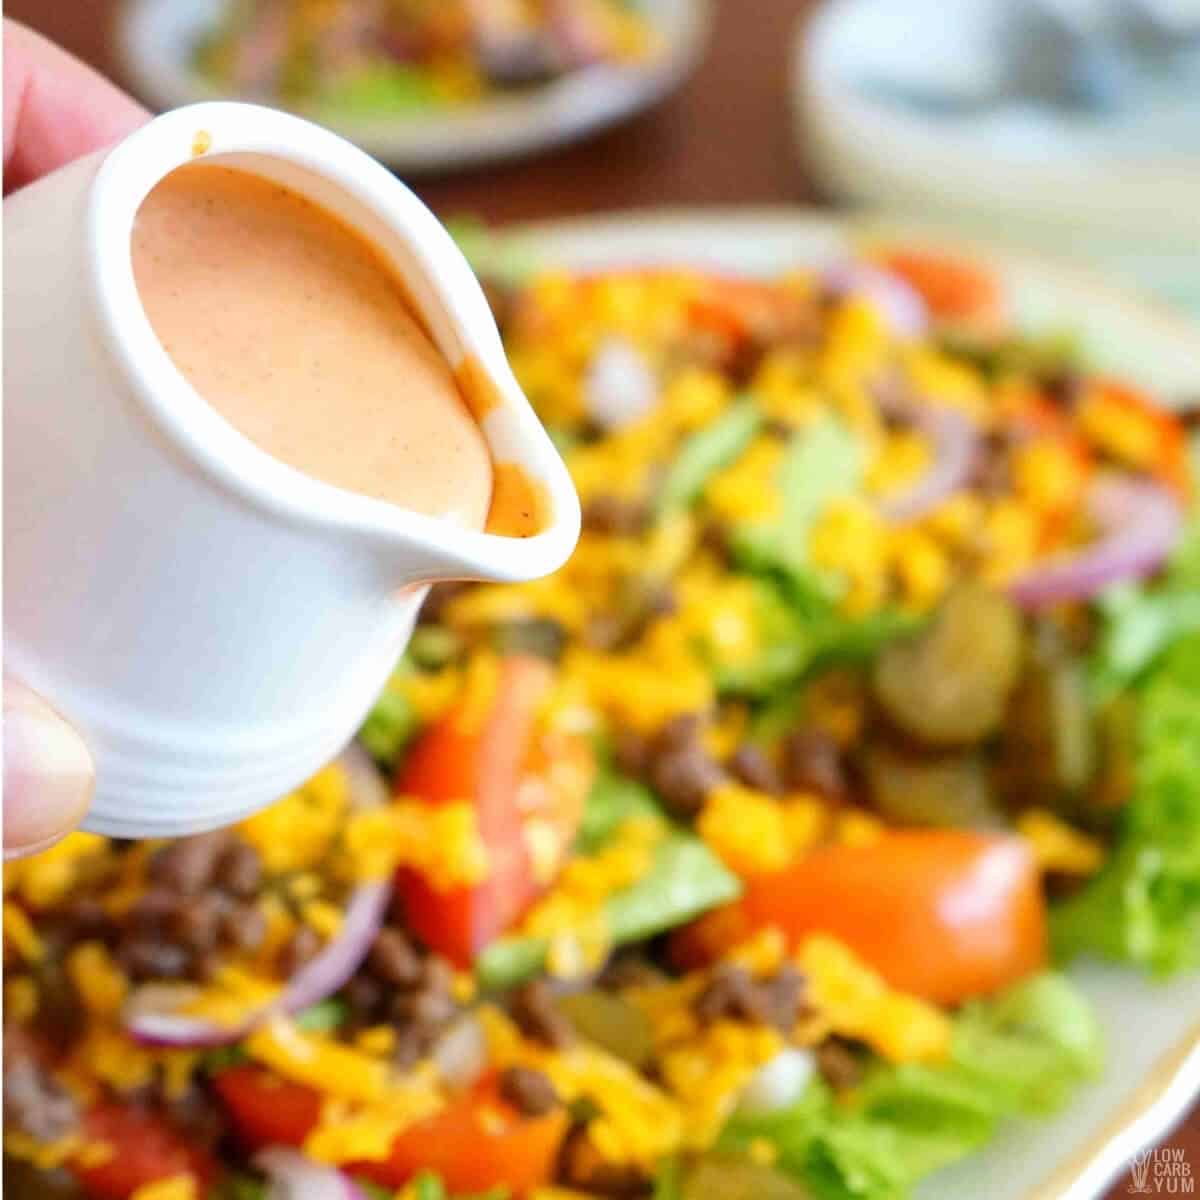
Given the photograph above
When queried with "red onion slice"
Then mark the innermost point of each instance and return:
(294, 1177)
(898, 301)
(1140, 523)
(152, 1014)
(955, 445)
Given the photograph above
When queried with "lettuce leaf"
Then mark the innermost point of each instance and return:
(429, 1186)
(1144, 906)
(1028, 1047)
(1018, 1054)
(787, 645)
(1139, 623)
(384, 89)
(685, 879)
(822, 463)
(237, 1186)
(704, 454)
(389, 727)
(800, 634)
(801, 626)
(613, 799)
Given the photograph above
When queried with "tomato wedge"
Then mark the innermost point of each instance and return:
(941, 913)
(516, 775)
(146, 1149)
(954, 289)
(734, 308)
(267, 1110)
(476, 1142)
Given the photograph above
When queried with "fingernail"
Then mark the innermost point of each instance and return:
(48, 773)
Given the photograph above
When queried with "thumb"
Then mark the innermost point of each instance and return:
(48, 773)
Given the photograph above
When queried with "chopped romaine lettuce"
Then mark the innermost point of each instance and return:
(433, 647)
(796, 636)
(237, 1186)
(1030, 1046)
(613, 799)
(373, 1191)
(823, 462)
(1144, 906)
(389, 726)
(322, 1017)
(705, 453)
(858, 639)
(786, 646)
(385, 90)
(1139, 623)
(1020, 1053)
(428, 1186)
(685, 879)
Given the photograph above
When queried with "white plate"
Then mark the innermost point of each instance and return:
(157, 40)
(1068, 184)
(1152, 1070)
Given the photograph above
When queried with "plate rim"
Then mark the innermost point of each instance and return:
(1154, 1109)
(863, 227)
(1164, 1094)
(501, 129)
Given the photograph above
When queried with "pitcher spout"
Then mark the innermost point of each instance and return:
(533, 521)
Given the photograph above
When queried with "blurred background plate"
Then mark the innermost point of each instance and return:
(1152, 1029)
(1060, 124)
(157, 41)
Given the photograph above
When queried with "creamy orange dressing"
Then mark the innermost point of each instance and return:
(296, 331)
(518, 503)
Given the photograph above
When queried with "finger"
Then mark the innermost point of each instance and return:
(48, 773)
(56, 109)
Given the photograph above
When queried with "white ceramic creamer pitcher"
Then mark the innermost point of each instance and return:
(215, 623)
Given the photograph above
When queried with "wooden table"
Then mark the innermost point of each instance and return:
(724, 139)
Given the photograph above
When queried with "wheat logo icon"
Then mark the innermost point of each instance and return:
(1140, 1170)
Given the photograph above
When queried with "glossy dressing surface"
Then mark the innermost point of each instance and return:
(296, 331)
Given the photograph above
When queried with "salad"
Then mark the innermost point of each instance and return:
(380, 57)
(739, 858)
